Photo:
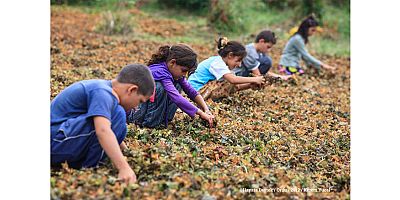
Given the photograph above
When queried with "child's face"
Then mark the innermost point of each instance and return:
(176, 70)
(312, 30)
(131, 98)
(233, 61)
(265, 47)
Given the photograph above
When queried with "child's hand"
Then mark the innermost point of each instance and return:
(255, 86)
(123, 146)
(127, 175)
(328, 67)
(285, 77)
(207, 116)
(208, 112)
(259, 80)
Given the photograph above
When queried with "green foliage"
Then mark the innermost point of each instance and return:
(336, 37)
(315, 7)
(225, 17)
(109, 4)
(281, 135)
(115, 23)
(279, 4)
(324, 46)
(241, 20)
(192, 5)
(340, 3)
(302, 8)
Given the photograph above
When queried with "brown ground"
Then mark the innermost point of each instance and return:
(282, 135)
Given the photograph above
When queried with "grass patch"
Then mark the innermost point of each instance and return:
(252, 16)
(95, 6)
(177, 13)
(324, 46)
(115, 23)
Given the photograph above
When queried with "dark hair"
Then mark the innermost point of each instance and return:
(184, 55)
(267, 35)
(225, 47)
(139, 75)
(305, 25)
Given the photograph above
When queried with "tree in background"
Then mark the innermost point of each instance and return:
(302, 8)
(314, 7)
(194, 5)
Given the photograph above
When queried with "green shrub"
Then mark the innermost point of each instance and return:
(224, 17)
(309, 7)
(281, 4)
(115, 23)
(111, 4)
(192, 5)
(302, 8)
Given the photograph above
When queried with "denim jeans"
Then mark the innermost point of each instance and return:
(264, 67)
(157, 113)
(75, 141)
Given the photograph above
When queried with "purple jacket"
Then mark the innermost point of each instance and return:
(161, 73)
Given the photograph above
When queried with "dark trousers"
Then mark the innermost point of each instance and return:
(157, 113)
(75, 140)
(264, 67)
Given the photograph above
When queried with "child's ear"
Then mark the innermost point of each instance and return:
(172, 62)
(230, 55)
(133, 89)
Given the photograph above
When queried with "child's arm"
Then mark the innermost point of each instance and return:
(309, 58)
(175, 96)
(200, 102)
(123, 146)
(328, 67)
(284, 77)
(205, 112)
(231, 78)
(206, 116)
(109, 143)
(243, 86)
(256, 72)
(301, 48)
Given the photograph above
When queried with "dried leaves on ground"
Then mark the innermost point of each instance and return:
(283, 135)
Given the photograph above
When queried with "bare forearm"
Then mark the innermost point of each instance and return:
(109, 143)
(123, 146)
(243, 86)
(200, 102)
(256, 72)
(239, 80)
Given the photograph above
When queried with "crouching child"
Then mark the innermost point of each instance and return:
(88, 119)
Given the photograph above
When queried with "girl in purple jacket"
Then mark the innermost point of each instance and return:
(169, 66)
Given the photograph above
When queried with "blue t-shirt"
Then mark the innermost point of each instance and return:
(213, 68)
(82, 101)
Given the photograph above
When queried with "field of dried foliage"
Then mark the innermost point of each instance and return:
(287, 135)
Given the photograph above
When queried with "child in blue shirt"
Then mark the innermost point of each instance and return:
(213, 77)
(88, 119)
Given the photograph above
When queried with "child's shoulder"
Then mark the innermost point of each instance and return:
(217, 61)
(212, 58)
(97, 84)
(160, 71)
(209, 61)
(297, 37)
(251, 50)
(250, 46)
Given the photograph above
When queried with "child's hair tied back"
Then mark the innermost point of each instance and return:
(222, 42)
